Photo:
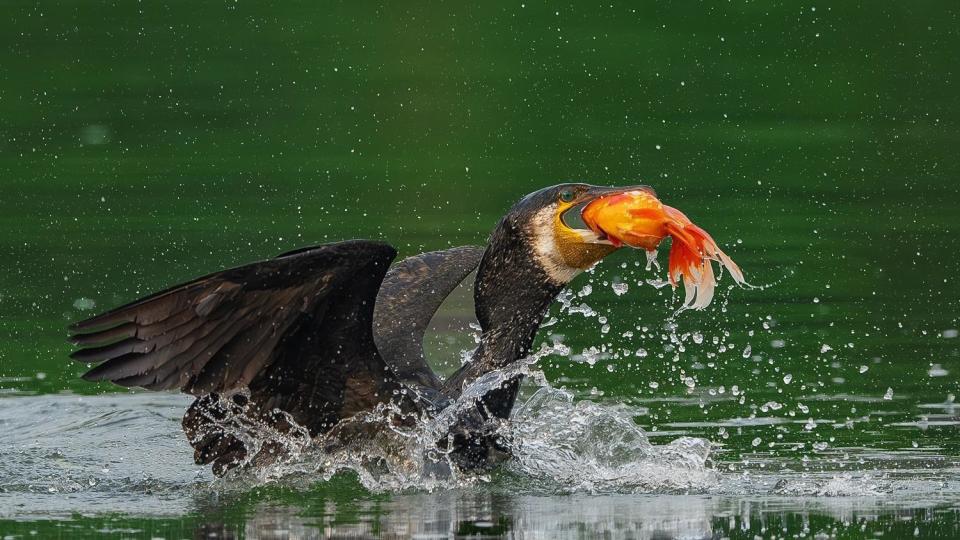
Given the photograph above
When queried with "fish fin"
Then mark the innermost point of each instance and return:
(691, 251)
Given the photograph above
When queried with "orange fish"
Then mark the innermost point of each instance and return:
(638, 219)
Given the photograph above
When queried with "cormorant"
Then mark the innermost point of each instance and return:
(317, 335)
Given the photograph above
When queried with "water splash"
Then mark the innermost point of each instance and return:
(556, 442)
(840, 485)
(587, 446)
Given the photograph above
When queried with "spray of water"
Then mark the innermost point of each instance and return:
(557, 444)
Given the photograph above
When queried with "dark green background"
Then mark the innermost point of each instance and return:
(143, 144)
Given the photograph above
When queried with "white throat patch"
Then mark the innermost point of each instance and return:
(545, 251)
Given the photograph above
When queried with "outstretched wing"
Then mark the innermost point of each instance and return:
(299, 323)
(410, 295)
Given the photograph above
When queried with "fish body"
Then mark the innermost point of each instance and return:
(640, 220)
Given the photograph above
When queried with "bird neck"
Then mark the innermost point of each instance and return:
(512, 293)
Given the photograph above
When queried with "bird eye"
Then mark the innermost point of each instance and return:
(566, 195)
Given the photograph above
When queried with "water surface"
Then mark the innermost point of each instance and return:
(142, 145)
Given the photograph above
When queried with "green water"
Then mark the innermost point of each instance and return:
(144, 144)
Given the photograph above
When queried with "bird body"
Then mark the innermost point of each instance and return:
(304, 344)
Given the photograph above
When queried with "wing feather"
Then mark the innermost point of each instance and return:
(294, 331)
(411, 293)
(219, 332)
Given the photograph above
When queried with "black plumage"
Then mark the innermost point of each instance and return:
(315, 336)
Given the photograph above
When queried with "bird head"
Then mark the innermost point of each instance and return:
(553, 234)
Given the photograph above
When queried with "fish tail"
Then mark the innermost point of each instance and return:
(691, 251)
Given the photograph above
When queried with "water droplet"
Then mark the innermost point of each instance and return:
(84, 304)
(936, 370)
(889, 395)
(620, 289)
(652, 261)
(747, 351)
(771, 406)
